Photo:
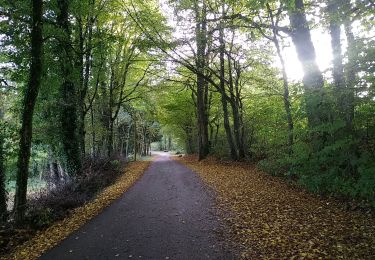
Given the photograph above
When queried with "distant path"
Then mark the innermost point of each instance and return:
(167, 214)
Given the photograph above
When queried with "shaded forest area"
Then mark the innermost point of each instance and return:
(91, 82)
(73, 94)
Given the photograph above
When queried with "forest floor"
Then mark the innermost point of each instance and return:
(273, 219)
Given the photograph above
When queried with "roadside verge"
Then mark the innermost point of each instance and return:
(50, 237)
(272, 219)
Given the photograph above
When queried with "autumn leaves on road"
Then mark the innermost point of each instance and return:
(263, 216)
(271, 219)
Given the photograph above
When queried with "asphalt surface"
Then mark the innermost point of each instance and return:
(167, 214)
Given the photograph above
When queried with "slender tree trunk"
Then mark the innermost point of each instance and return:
(3, 194)
(228, 130)
(93, 133)
(69, 93)
(81, 90)
(169, 143)
(189, 140)
(201, 41)
(30, 96)
(110, 138)
(350, 73)
(82, 132)
(135, 140)
(338, 67)
(335, 32)
(217, 125)
(286, 98)
(238, 128)
(110, 118)
(313, 78)
(288, 111)
(85, 68)
(127, 142)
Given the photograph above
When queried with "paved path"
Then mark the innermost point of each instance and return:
(167, 214)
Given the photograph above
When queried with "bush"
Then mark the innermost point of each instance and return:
(57, 203)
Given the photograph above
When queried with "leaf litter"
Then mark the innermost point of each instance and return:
(271, 219)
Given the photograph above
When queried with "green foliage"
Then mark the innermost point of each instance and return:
(140, 87)
(115, 164)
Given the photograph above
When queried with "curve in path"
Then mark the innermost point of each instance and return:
(167, 214)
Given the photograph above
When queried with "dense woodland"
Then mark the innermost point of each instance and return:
(89, 79)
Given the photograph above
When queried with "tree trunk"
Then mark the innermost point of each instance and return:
(313, 78)
(228, 131)
(217, 125)
(201, 41)
(110, 138)
(3, 194)
(85, 69)
(93, 133)
(338, 67)
(189, 139)
(335, 32)
(350, 73)
(238, 128)
(135, 141)
(286, 98)
(30, 96)
(169, 143)
(69, 113)
(81, 90)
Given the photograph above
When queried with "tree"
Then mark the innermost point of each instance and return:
(200, 9)
(350, 70)
(30, 97)
(228, 131)
(3, 194)
(313, 79)
(287, 105)
(69, 92)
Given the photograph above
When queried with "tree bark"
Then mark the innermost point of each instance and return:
(228, 131)
(201, 42)
(341, 90)
(135, 140)
(81, 90)
(110, 138)
(313, 78)
(85, 64)
(227, 127)
(69, 93)
(237, 126)
(93, 137)
(350, 72)
(30, 96)
(335, 32)
(3, 194)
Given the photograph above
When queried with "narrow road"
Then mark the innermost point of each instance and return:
(167, 214)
